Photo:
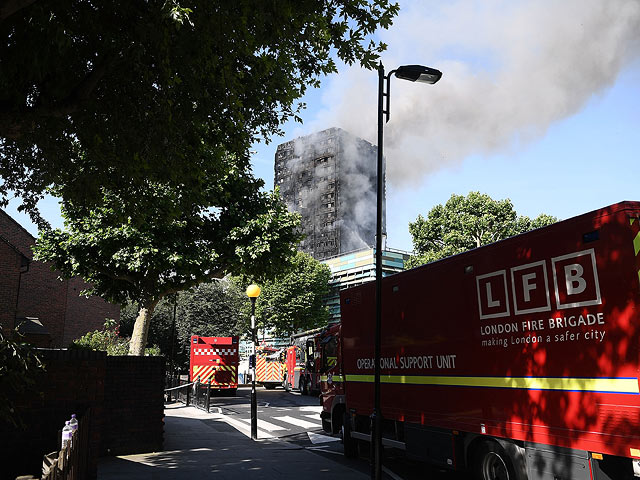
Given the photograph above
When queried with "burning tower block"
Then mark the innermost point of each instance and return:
(329, 177)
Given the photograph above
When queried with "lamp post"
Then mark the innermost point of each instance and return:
(173, 338)
(253, 292)
(413, 73)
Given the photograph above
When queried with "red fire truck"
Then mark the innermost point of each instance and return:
(215, 359)
(303, 372)
(269, 366)
(517, 360)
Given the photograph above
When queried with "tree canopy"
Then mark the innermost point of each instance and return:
(212, 309)
(464, 223)
(168, 244)
(293, 300)
(115, 94)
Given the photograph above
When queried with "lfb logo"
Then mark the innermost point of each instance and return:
(575, 284)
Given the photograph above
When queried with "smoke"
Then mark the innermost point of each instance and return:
(510, 70)
(358, 195)
(350, 169)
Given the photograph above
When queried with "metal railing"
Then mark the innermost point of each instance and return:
(196, 393)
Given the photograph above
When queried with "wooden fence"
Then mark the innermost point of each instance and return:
(70, 462)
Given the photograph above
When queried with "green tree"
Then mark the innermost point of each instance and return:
(19, 369)
(213, 309)
(168, 244)
(293, 300)
(464, 223)
(114, 94)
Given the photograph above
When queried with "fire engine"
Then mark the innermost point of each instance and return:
(215, 359)
(269, 366)
(302, 367)
(516, 360)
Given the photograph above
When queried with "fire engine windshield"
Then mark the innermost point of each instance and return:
(329, 353)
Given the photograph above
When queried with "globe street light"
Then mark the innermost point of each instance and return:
(413, 73)
(253, 292)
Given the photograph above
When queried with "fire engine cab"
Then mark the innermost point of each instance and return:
(302, 366)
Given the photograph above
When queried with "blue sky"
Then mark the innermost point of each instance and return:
(539, 102)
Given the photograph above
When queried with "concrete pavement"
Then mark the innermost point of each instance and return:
(199, 445)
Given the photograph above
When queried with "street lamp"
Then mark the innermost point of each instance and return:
(253, 292)
(413, 73)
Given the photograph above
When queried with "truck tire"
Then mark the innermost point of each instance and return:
(349, 444)
(326, 425)
(491, 462)
(304, 387)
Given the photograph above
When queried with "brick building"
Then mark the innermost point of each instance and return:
(30, 291)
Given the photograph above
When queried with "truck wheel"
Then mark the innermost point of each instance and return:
(304, 388)
(326, 425)
(349, 444)
(491, 462)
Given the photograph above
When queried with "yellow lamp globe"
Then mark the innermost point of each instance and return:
(253, 291)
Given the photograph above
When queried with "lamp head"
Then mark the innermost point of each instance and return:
(253, 291)
(418, 73)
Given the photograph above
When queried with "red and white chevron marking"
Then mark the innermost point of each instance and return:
(214, 351)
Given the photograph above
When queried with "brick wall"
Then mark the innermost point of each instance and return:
(85, 314)
(134, 393)
(72, 383)
(10, 261)
(44, 296)
(125, 395)
(56, 303)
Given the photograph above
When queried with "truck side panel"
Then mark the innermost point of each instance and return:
(534, 338)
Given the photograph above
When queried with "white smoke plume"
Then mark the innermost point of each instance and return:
(510, 70)
(351, 169)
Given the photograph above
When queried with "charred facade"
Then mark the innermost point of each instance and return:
(329, 177)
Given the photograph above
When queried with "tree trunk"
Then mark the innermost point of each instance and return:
(141, 328)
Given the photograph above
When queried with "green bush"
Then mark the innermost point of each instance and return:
(19, 367)
(109, 340)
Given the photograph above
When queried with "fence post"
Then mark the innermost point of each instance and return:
(188, 395)
(209, 393)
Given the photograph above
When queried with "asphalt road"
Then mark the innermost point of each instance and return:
(295, 418)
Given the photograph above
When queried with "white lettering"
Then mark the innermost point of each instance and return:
(528, 286)
(490, 301)
(573, 276)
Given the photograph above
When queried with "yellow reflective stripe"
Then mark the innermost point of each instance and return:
(334, 378)
(636, 243)
(610, 385)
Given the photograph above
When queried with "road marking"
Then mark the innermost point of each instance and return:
(262, 425)
(311, 408)
(322, 448)
(317, 438)
(391, 474)
(314, 417)
(297, 421)
(242, 428)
